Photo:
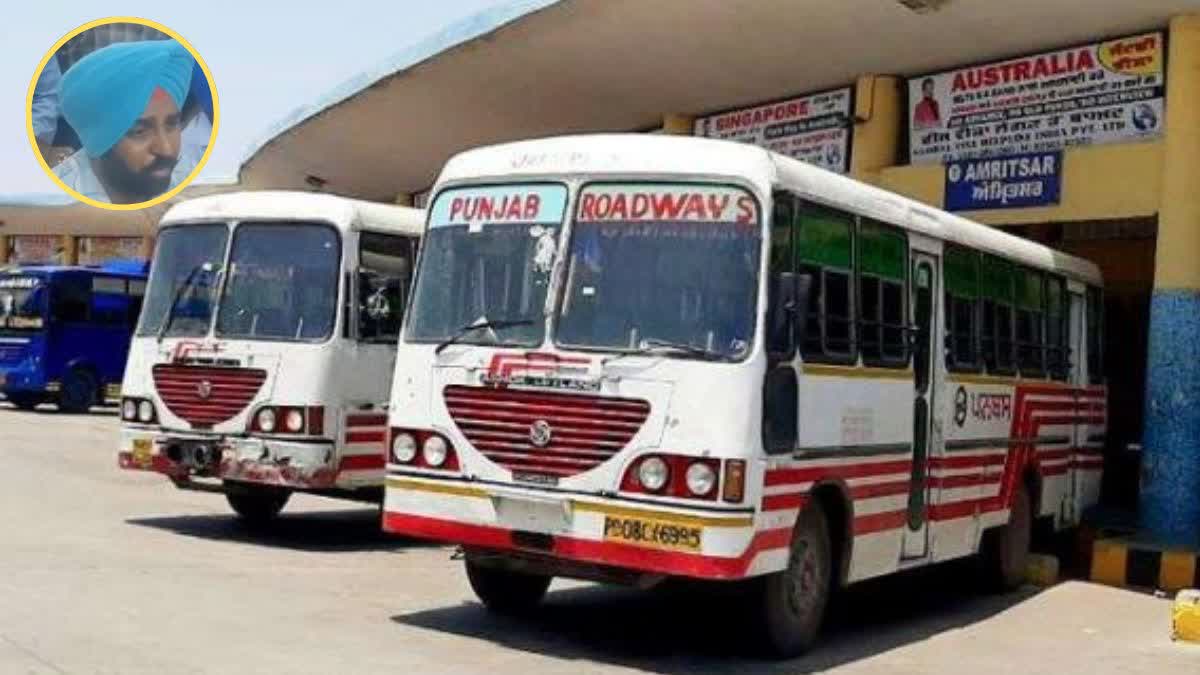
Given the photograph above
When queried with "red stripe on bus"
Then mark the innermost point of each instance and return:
(1054, 455)
(966, 461)
(366, 420)
(879, 522)
(880, 490)
(810, 474)
(365, 436)
(360, 462)
(791, 500)
(968, 480)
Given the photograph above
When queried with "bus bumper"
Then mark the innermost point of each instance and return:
(576, 529)
(25, 381)
(192, 459)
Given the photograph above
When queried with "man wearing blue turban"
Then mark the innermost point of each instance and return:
(125, 102)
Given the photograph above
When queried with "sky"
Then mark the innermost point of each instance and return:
(267, 57)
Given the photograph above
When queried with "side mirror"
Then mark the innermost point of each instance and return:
(789, 295)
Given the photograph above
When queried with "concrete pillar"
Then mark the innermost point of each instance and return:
(3, 249)
(678, 125)
(70, 247)
(404, 199)
(878, 118)
(1170, 497)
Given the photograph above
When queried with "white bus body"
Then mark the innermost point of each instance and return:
(261, 361)
(856, 440)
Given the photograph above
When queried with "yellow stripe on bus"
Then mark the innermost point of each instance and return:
(861, 372)
(441, 488)
(681, 518)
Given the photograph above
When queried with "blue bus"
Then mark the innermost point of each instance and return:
(65, 331)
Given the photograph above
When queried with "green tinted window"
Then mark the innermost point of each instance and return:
(1054, 297)
(781, 234)
(825, 238)
(882, 251)
(997, 280)
(962, 272)
(1029, 290)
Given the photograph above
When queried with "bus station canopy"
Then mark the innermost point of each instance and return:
(541, 67)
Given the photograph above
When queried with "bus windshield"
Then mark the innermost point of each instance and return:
(662, 264)
(22, 303)
(183, 280)
(487, 257)
(282, 282)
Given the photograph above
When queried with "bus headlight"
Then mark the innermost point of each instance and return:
(434, 451)
(129, 410)
(653, 473)
(266, 420)
(294, 420)
(404, 447)
(145, 412)
(701, 479)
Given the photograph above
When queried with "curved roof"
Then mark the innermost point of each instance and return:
(344, 213)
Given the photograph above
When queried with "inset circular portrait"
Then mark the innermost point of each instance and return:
(122, 113)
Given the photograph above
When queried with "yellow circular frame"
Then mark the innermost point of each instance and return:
(212, 87)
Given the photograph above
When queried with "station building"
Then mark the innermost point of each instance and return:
(1073, 124)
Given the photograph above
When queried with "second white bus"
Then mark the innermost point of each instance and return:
(261, 361)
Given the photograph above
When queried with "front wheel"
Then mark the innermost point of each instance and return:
(1005, 551)
(257, 505)
(78, 392)
(506, 591)
(24, 401)
(792, 603)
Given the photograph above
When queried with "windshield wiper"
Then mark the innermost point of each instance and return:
(498, 324)
(655, 345)
(206, 267)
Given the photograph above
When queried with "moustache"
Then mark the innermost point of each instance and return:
(159, 164)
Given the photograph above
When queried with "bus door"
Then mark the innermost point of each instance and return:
(1077, 378)
(926, 425)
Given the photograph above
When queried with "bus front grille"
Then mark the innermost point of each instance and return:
(202, 395)
(575, 432)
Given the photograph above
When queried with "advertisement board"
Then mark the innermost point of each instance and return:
(815, 128)
(1104, 92)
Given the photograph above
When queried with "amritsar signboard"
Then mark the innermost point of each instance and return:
(1104, 92)
(814, 128)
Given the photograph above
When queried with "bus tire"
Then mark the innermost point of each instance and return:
(506, 591)
(257, 505)
(78, 393)
(1005, 550)
(24, 401)
(792, 604)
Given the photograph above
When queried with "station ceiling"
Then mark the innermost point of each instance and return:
(542, 67)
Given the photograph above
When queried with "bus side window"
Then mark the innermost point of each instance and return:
(137, 294)
(109, 301)
(70, 299)
(882, 257)
(1031, 292)
(782, 217)
(825, 248)
(1058, 362)
(962, 309)
(1095, 335)
(997, 291)
(384, 276)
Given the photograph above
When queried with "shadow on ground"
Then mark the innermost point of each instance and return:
(702, 628)
(311, 531)
(51, 409)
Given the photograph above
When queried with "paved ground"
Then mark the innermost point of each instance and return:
(113, 572)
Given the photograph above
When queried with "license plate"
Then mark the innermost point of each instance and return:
(652, 533)
(533, 515)
(143, 448)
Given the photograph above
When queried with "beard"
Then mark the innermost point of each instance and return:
(140, 184)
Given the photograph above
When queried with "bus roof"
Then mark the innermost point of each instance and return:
(35, 269)
(344, 213)
(664, 155)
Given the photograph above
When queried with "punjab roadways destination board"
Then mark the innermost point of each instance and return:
(813, 128)
(1104, 92)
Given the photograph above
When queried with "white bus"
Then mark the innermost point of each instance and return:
(636, 357)
(261, 362)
